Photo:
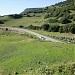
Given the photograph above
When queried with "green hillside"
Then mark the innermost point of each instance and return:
(34, 10)
(60, 14)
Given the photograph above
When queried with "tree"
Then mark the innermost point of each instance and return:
(61, 29)
(72, 28)
(45, 26)
(64, 20)
(1, 22)
(54, 28)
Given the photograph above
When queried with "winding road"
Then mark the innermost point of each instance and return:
(34, 33)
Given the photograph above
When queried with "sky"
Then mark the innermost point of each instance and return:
(17, 6)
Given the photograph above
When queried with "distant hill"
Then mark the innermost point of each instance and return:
(32, 10)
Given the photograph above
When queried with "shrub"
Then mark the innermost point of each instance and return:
(21, 26)
(67, 28)
(45, 26)
(28, 15)
(54, 28)
(34, 27)
(74, 18)
(53, 20)
(46, 16)
(61, 29)
(6, 29)
(64, 20)
(1, 22)
(72, 28)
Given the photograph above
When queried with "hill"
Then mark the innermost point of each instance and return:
(32, 10)
(60, 17)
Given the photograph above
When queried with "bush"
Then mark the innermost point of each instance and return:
(45, 26)
(74, 18)
(34, 27)
(28, 15)
(53, 20)
(64, 20)
(6, 29)
(21, 26)
(61, 29)
(1, 22)
(54, 28)
(67, 28)
(46, 16)
(72, 28)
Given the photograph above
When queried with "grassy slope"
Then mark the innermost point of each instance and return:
(25, 21)
(20, 56)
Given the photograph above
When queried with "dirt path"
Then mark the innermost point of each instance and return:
(34, 33)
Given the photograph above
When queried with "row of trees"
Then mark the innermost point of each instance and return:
(16, 16)
(61, 29)
(55, 28)
(67, 29)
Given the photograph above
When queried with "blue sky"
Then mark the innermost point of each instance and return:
(17, 6)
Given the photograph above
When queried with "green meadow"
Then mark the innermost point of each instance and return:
(25, 21)
(19, 53)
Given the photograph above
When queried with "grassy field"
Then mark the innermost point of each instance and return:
(19, 53)
(25, 21)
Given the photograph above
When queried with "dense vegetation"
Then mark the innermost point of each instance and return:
(70, 28)
(15, 16)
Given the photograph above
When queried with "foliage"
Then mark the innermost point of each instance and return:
(74, 18)
(1, 22)
(46, 16)
(53, 20)
(15, 16)
(67, 28)
(64, 20)
(45, 26)
(34, 27)
(72, 28)
(21, 26)
(54, 28)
